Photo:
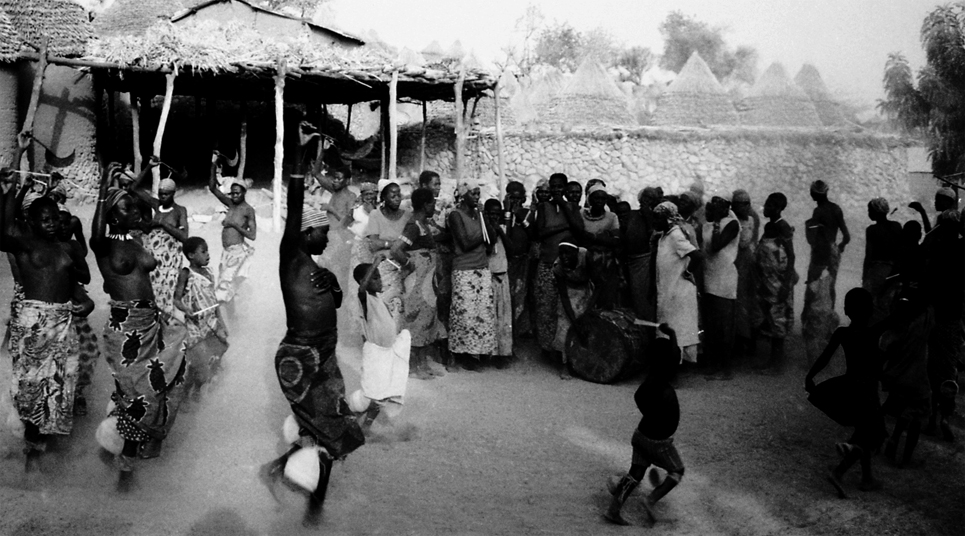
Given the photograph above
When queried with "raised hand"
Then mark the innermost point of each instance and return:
(24, 139)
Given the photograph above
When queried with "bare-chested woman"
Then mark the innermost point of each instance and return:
(169, 228)
(146, 359)
(45, 350)
(239, 225)
(305, 362)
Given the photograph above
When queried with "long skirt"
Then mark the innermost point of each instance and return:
(16, 305)
(167, 251)
(88, 353)
(44, 366)
(312, 382)
(547, 306)
(419, 305)
(747, 316)
(233, 270)
(519, 276)
(876, 282)
(503, 303)
(641, 287)
(472, 319)
(147, 360)
(444, 285)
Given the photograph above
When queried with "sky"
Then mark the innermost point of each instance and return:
(847, 40)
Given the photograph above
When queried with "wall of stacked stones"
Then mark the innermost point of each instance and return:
(857, 167)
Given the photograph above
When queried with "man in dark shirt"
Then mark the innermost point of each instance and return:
(822, 234)
(653, 439)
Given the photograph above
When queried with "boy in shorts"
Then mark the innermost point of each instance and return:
(653, 439)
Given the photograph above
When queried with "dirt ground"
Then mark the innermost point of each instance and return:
(513, 451)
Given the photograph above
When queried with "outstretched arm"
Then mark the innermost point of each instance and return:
(213, 180)
(135, 187)
(98, 231)
(9, 239)
(925, 224)
(296, 199)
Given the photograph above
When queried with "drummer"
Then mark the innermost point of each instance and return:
(576, 296)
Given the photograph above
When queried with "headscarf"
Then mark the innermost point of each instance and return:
(947, 192)
(167, 185)
(740, 196)
(312, 217)
(597, 187)
(383, 186)
(568, 245)
(692, 197)
(879, 205)
(368, 187)
(466, 187)
(114, 195)
(668, 211)
(59, 189)
(28, 199)
(235, 180)
(653, 192)
(819, 187)
(543, 184)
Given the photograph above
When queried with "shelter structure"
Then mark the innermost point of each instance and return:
(776, 101)
(134, 17)
(590, 98)
(829, 111)
(695, 98)
(536, 96)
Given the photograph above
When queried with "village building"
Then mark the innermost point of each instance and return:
(695, 98)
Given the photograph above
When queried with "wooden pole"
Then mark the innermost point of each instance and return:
(162, 122)
(384, 132)
(280, 71)
(135, 129)
(460, 128)
(393, 126)
(28, 123)
(500, 160)
(422, 139)
(243, 141)
(348, 120)
(111, 152)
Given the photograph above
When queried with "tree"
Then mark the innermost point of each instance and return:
(528, 25)
(560, 46)
(599, 45)
(636, 60)
(304, 8)
(683, 34)
(935, 110)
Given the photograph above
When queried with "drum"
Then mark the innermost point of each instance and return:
(613, 347)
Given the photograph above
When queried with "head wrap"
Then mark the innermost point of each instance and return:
(668, 211)
(167, 185)
(383, 184)
(568, 245)
(597, 187)
(240, 182)
(879, 205)
(368, 187)
(313, 218)
(59, 189)
(740, 196)
(28, 200)
(819, 187)
(543, 184)
(692, 197)
(947, 192)
(125, 175)
(466, 187)
(113, 196)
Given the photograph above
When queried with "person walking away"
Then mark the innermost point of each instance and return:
(502, 293)
(239, 226)
(676, 285)
(721, 238)
(747, 316)
(207, 339)
(602, 237)
(821, 232)
(776, 277)
(859, 391)
(882, 251)
(577, 296)
(653, 439)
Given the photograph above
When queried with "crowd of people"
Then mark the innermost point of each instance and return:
(438, 282)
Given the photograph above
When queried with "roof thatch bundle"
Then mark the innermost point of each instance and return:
(695, 98)
(590, 98)
(776, 101)
(829, 111)
(134, 17)
(9, 39)
(63, 22)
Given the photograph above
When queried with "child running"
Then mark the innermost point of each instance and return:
(859, 391)
(207, 339)
(385, 352)
(653, 439)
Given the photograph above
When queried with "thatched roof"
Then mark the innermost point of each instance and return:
(486, 112)
(695, 98)
(9, 39)
(829, 111)
(134, 17)
(776, 101)
(63, 22)
(589, 98)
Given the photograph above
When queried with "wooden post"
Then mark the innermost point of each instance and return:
(348, 120)
(162, 122)
(28, 123)
(384, 132)
(422, 139)
(500, 160)
(135, 129)
(460, 128)
(111, 153)
(277, 200)
(243, 141)
(393, 126)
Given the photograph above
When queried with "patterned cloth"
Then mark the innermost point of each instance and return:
(312, 382)
(235, 263)
(88, 353)
(167, 251)
(420, 316)
(579, 289)
(519, 272)
(44, 365)
(472, 321)
(393, 289)
(207, 340)
(147, 360)
(16, 305)
(547, 306)
(777, 315)
(503, 304)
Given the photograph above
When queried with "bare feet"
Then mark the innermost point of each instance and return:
(615, 518)
(835, 481)
(269, 474)
(313, 513)
(648, 508)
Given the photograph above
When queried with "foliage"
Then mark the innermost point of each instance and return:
(560, 46)
(683, 34)
(636, 60)
(302, 8)
(936, 108)
(528, 26)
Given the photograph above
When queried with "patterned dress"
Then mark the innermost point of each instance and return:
(235, 263)
(472, 316)
(167, 251)
(206, 341)
(419, 304)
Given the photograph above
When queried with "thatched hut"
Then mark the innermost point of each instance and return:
(695, 98)
(590, 98)
(829, 111)
(134, 17)
(776, 101)
(536, 96)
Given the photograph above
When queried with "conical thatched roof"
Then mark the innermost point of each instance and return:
(590, 98)
(776, 101)
(695, 98)
(63, 22)
(829, 111)
(134, 17)
(536, 97)
(9, 39)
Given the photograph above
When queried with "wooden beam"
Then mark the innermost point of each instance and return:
(243, 140)
(162, 122)
(460, 128)
(422, 138)
(500, 160)
(384, 133)
(28, 123)
(132, 103)
(393, 126)
(280, 70)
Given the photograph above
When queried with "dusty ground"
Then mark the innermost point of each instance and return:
(512, 451)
